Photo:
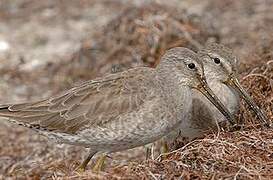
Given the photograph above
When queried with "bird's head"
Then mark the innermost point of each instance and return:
(221, 65)
(185, 67)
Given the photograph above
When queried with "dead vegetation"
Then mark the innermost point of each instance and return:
(138, 36)
(242, 155)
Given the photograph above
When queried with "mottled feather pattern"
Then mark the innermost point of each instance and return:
(93, 103)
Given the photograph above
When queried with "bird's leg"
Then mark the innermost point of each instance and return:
(148, 151)
(83, 165)
(165, 147)
(99, 164)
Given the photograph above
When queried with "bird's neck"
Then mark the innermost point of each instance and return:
(177, 95)
(172, 82)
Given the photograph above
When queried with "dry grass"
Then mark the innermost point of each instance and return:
(137, 36)
(245, 155)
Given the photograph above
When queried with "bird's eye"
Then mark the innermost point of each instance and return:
(191, 65)
(216, 60)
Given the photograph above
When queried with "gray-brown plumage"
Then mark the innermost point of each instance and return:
(220, 68)
(219, 63)
(122, 110)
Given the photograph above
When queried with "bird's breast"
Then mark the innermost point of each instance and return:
(229, 97)
(204, 111)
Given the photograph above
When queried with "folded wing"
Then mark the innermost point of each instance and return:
(92, 103)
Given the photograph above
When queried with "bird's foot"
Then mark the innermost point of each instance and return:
(83, 165)
(236, 127)
(80, 169)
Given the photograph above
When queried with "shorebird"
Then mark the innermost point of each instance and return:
(220, 69)
(121, 110)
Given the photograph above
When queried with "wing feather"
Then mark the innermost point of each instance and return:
(92, 103)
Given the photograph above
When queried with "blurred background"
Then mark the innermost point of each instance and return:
(48, 46)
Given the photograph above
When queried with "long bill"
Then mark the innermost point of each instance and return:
(235, 84)
(206, 91)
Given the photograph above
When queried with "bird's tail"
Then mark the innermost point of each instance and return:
(21, 115)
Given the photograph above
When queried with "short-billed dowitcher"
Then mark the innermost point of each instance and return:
(121, 110)
(220, 69)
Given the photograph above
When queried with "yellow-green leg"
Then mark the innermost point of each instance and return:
(83, 165)
(165, 147)
(99, 164)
